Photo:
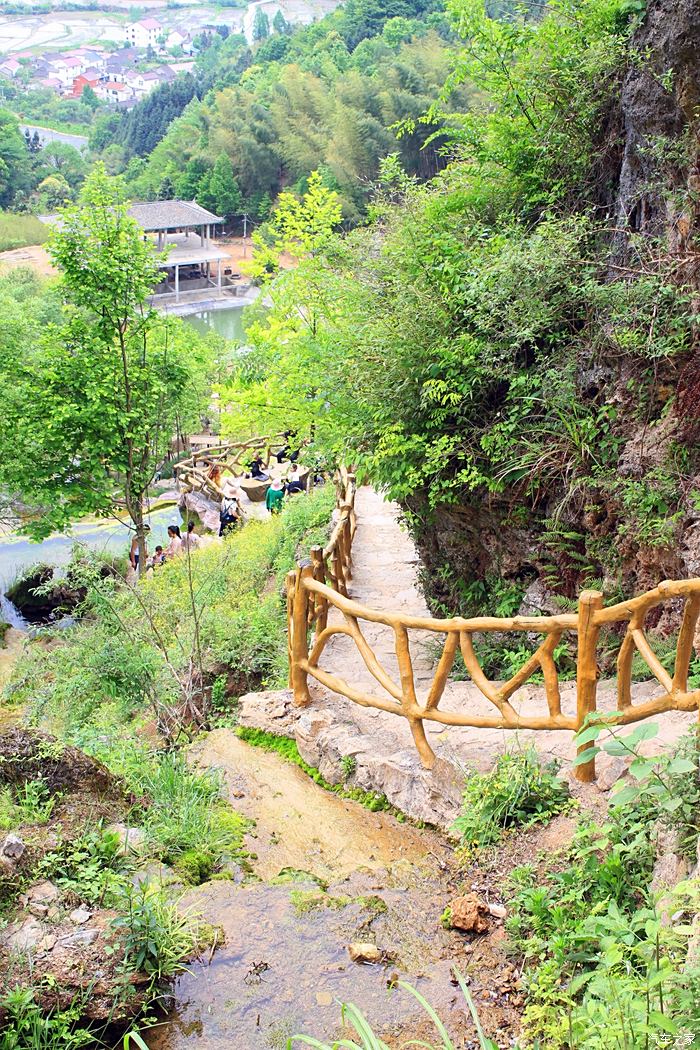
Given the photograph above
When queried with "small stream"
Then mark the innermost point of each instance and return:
(327, 873)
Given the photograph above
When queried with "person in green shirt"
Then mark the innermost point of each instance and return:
(274, 497)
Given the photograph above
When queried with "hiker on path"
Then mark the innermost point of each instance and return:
(230, 511)
(175, 547)
(274, 497)
(191, 540)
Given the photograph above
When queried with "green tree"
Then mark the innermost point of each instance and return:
(190, 182)
(280, 23)
(15, 160)
(219, 190)
(302, 226)
(89, 98)
(261, 26)
(91, 411)
(53, 192)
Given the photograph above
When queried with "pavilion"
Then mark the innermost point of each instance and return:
(185, 230)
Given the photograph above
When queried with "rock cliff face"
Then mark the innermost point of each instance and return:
(660, 118)
(648, 183)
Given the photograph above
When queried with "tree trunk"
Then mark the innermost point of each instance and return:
(136, 512)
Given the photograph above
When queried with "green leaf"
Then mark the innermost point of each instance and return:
(625, 795)
(586, 756)
(642, 767)
(584, 736)
(663, 1022)
(680, 765)
(646, 731)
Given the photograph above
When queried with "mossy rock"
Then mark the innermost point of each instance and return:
(195, 866)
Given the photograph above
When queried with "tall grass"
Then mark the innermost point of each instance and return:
(19, 231)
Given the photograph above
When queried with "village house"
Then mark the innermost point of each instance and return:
(10, 67)
(144, 33)
(113, 91)
(91, 78)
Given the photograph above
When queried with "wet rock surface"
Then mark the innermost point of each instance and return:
(350, 903)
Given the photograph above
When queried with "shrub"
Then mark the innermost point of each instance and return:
(518, 791)
(187, 820)
(30, 804)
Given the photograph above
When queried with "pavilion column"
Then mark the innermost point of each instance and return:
(177, 282)
(218, 275)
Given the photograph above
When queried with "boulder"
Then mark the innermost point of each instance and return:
(469, 913)
(272, 711)
(26, 754)
(205, 509)
(132, 841)
(12, 848)
(42, 893)
(79, 916)
(56, 598)
(80, 939)
(365, 952)
(25, 936)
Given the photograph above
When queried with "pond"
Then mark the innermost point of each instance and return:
(105, 537)
(227, 322)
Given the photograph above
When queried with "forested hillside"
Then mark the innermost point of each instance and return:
(326, 96)
(510, 349)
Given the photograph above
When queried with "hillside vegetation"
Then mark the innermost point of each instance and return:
(508, 349)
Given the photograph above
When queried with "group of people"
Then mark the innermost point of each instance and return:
(177, 545)
(230, 514)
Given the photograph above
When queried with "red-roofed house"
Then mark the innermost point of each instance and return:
(144, 33)
(114, 91)
(90, 77)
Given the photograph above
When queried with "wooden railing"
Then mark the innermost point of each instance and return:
(321, 584)
(194, 472)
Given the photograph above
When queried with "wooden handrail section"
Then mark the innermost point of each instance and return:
(322, 583)
(192, 474)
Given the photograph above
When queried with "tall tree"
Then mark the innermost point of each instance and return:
(91, 412)
(280, 23)
(261, 26)
(15, 160)
(219, 190)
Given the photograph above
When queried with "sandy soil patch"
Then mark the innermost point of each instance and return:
(35, 257)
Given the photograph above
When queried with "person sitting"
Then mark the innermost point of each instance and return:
(230, 511)
(175, 547)
(274, 497)
(256, 468)
(134, 548)
(294, 482)
(158, 558)
(191, 540)
(284, 451)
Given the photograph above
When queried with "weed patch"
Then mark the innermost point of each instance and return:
(517, 792)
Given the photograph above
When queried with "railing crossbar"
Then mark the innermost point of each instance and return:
(322, 584)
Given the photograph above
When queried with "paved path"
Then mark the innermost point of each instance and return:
(385, 577)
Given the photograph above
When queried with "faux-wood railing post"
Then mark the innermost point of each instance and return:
(299, 649)
(587, 670)
(320, 603)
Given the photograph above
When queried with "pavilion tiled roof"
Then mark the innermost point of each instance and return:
(171, 215)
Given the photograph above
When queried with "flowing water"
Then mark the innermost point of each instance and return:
(284, 965)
